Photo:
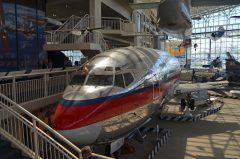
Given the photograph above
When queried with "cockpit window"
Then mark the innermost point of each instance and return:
(78, 80)
(128, 78)
(100, 80)
(119, 81)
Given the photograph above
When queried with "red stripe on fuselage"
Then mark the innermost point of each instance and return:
(67, 118)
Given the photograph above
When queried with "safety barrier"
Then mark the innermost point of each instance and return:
(35, 138)
(181, 118)
(87, 37)
(27, 87)
(223, 96)
(110, 23)
(160, 142)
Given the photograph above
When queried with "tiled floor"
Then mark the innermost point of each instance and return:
(215, 137)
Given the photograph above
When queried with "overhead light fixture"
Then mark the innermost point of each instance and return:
(236, 16)
(66, 5)
(197, 18)
(54, 15)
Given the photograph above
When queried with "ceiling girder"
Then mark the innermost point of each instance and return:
(201, 3)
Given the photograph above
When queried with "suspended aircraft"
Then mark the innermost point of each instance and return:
(174, 16)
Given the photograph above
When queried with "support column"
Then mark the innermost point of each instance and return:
(156, 42)
(137, 22)
(95, 9)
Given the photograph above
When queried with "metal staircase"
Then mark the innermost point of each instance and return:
(31, 136)
(71, 36)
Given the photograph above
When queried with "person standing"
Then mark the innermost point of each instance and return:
(87, 153)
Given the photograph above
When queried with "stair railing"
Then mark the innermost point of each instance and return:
(83, 23)
(100, 40)
(59, 35)
(33, 136)
(70, 23)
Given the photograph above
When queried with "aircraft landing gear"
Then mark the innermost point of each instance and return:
(189, 102)
(114, 148)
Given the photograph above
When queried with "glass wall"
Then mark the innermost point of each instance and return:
(209, 40)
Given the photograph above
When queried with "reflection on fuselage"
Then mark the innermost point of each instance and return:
(114, 94)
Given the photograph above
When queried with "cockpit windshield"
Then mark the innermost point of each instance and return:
(78, 79)
(100, 80)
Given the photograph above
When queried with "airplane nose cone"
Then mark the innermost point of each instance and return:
(83, 136)
(79, 114)
(68, 118)
(70, 122)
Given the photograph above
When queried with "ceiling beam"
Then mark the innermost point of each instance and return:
(144, 5)
(201, 3)
(58, 2)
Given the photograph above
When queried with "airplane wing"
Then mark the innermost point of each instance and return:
(193, 87)
(201, 3)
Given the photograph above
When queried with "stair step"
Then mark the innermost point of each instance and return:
(11, 154)
(23, 157)
(4, 146)
(8, 152)
(18, 157)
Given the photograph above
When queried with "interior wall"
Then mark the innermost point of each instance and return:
(22, 33)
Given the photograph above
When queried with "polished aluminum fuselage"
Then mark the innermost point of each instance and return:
(117, 111)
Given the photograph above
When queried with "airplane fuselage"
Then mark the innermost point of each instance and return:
(115, 93)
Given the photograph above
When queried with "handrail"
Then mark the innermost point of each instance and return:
(39, 142)
(9, 113)
(70, 21)
(82, 21)
(86, 37)
(71, 69)
(64, 24)
(28, 87)
(112, 23)
(101, 40)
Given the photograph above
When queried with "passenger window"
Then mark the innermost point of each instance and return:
(128, 78)
(119, 81)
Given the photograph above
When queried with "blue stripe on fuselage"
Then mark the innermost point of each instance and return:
(77, 103)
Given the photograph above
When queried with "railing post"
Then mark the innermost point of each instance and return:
(35, 138)
(80, 155)
(14, 90)
(120, 24)
(45, 85)
(67, 78)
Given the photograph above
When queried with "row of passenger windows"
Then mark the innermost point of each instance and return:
(104, 80)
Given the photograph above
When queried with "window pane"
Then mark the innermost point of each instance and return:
(78, 80)
(119, 81)
(128, 78)
(100, 80)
